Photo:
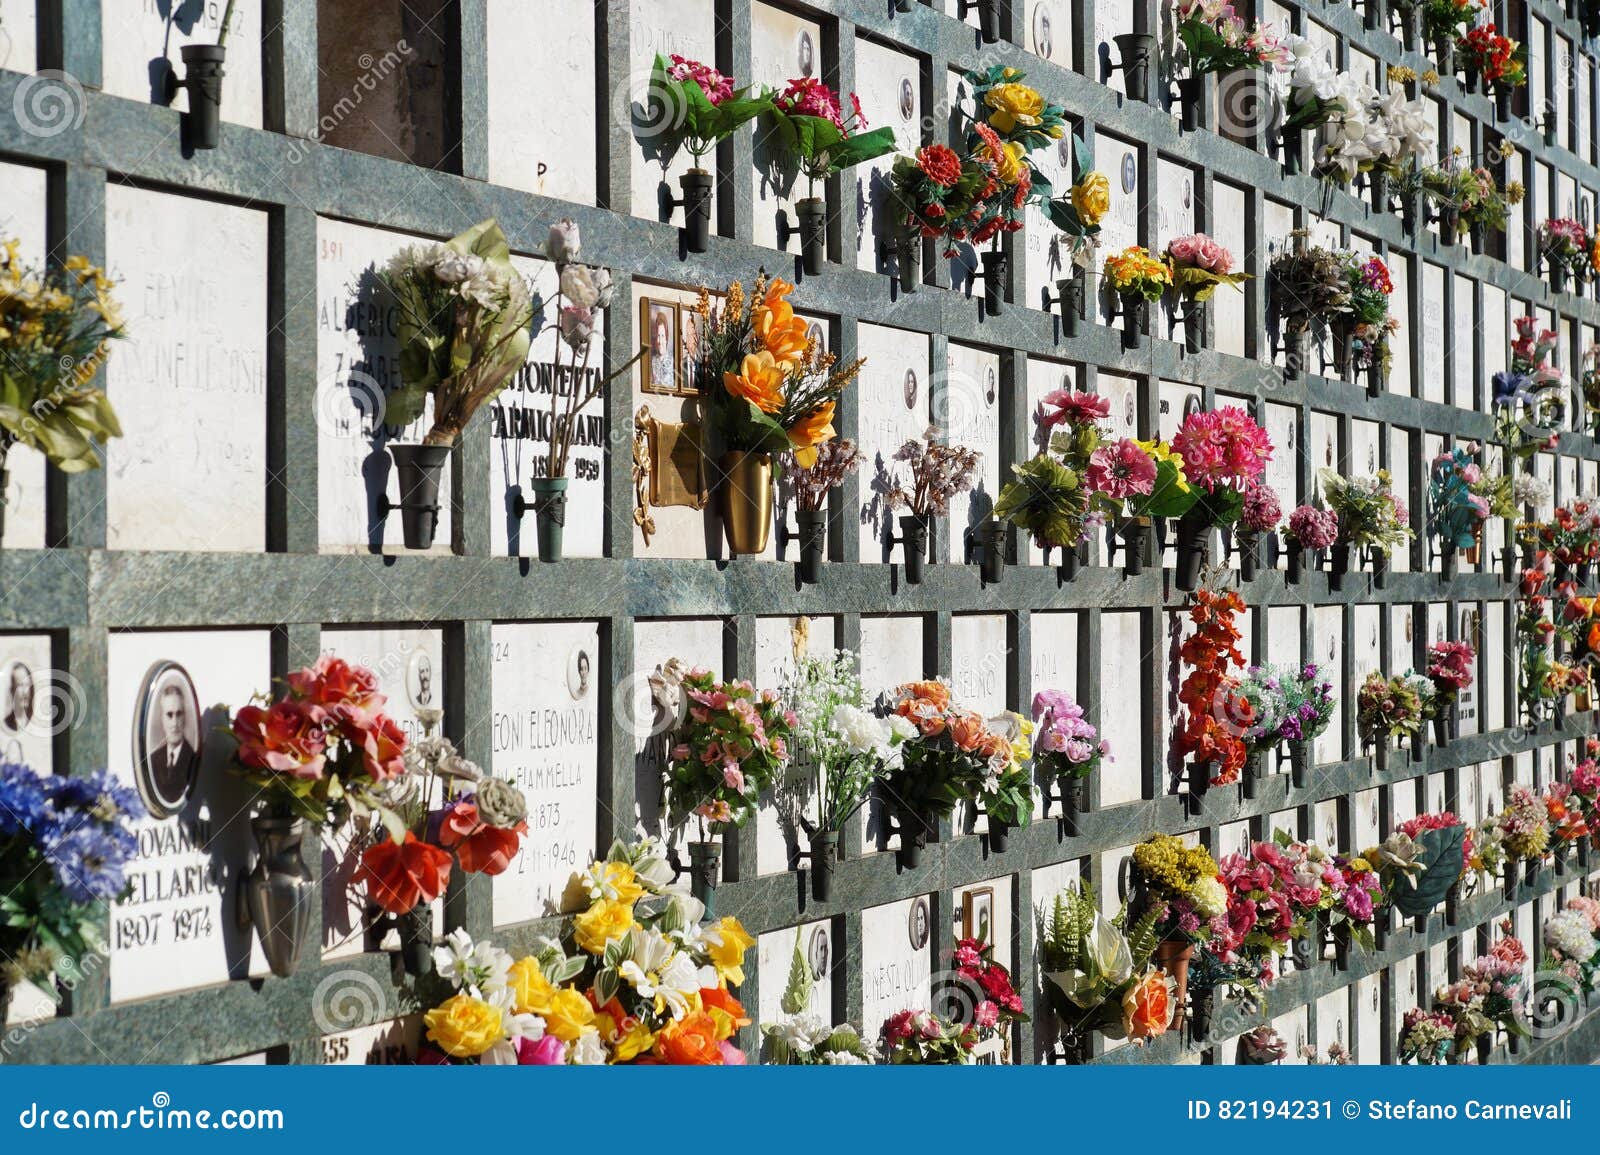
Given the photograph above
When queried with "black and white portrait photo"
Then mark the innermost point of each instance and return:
(918, 923)
(18, 700)
(580, 668)
(166, 739)
(1042, 42)
(817, 952)
(991, 388)
(977, 914)
(1130, 173)
(421, 690)
(818, 336)
(908, 99)
(911, 388)
(806, 57)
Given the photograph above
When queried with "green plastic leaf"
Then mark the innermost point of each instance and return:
(1441, 867)
(798, 993)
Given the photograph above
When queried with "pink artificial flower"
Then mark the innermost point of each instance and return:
(1222, 448)
(1121, 470)
(716, 86)
(1068, 407)
(548, 1051)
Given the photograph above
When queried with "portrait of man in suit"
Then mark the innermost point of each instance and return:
(169, 760)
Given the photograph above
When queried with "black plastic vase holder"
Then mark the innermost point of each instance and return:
(696, 205)
(1248, 547)
(903, 258)
(1073, 795)
(1380, 755)
(1132, 309)
(823, 856)
(988, 17)
(999, 835)
(419, 469)
(1419, 744)
(202, 80)
(1410, 21)
(1296, 349)
(1448, 218)
(1344, 336)
(1134, 50)
(1502, 102)
(1338, 566)
(1250, 776)
(1202, 1008)
(705, 860)
(913, 540)
(1191, 102)
(1378, 560)
(915, 830)
(993, 276)
(1444, 54)
(988, 548)
(415, 929)
(1194, 534)
(1372, 15)
(1469, 79)
(1295, 563)
(1069, 298)
(1300, 763)
(813, 537)
(1378, 191)
(1558, 275)
(1445, 724)
(1449, 563)
(1133, 536)
(812, 213)
(1194, 326)
(1291, 151)
(1200, 775)
(1072, 562)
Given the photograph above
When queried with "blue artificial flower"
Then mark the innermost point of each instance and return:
(1510, 388)
(24, 800)
(99, 792)
(89, 861)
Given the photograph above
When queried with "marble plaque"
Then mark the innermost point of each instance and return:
(775, 954)
(190, 381)
(891, 655)
(546, 692)
(665, 28)
(1327, 646)
(1046, 256)
(1049, 30)
(22, 217)
(542, 56)
(177, 929)
(894, 407)
(694, 642)
(357, 366)
(978, 649)
(19, 37)
(970, 416)
(896, 960)
(1228, 226)
(1109, 20)
(891, 83)
(1121, 677)
(409, 664)
(1403, 339)
(1055, 652)
(1436, 342)
(143, 42)
(386, 1044)
(1175, 207)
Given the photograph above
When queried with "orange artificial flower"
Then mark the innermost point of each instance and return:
(967, 731)
(996, 745)
(812, 431)
(482, 849)
(782, 333)
(397, 877)
(759, 381)
(689, 1042)
(927, 714)
(726, 1011)
(936, 692)
(1147, 1007)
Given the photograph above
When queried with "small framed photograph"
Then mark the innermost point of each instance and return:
(918, 923)
(977, 914)
(659, 336)
(167, 739)
(691, 331)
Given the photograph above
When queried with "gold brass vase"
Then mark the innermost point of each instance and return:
(747, 500)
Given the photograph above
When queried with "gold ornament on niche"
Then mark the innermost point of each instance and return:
(668, 468)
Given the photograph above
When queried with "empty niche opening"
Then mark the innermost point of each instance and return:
(390, 79)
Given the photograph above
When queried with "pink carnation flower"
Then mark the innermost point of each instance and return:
(1222, 448)
(1121, 470)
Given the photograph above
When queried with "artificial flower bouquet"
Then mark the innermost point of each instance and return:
(1427, 1038)
(732, 744)
(1288, 705)
(1307, 285)
(1272, 888)
(1308, 528)
(1444, 847)
(811, 128)
(1571, 938)
(1215, 39)
(804, 1038)
(1571, 535)
(1077, 213)
(1006, 793)
(325, 751)
(987, 982)
(646, 983)
(699, 105)
(1066, 746)
(933, 192)
(480, 825)
(1565, 817)
(1097, 971)
(1444, 20)
(56, 329)
(1565, 246)
(1261, 1047)
(1136, 275)
(778, 389)
(1050, 495)
(1450, 670)
(938, 472)
(66, 842)
(1386, 709)
(1198, 265)
(1362, 333)
(1529, 392)
(922, 1038)
(1352, 890)
(1222, 454)
(1012, 121)
(1311, 91)
(1499, 60)
(1372, 518)
(836, 460)
(953, 757)
(1215, 712)
(1524, 825)
(462, 322)
(1181, 884)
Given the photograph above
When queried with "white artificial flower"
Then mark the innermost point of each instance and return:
(582, 285)
(453, 268)
(860, 731)
(501, 1054)
(678, 981)
(843, 1059)
(1568, 932)
(480, 969)
(564, 243)
(903, 728)
(802, 1034)
(1530, 489)
(588, 1050)
(1209, 897)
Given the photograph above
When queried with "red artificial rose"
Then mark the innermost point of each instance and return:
(288, 739)
(383, 745)
(398, 877)
(349, 693)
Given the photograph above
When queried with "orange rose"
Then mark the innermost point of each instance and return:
(937, 692)
(811, 432)
(994, 745)
(782, 333)
(1147, 1007)
(926, 713)
(689, 1042)
(967, 731)
(759, 381)
(726, 1012)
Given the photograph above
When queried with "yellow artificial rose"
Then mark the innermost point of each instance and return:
(727, 952)
(617, 881)
(1013, 104)
(1009, 165)
(1160, 451)
(1022, 744)
(629, 1044)
(569, 1013)
(530, 990)
(464, 1027)
(1091, 198)
(602, 922)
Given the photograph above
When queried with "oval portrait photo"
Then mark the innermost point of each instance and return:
(166, 739)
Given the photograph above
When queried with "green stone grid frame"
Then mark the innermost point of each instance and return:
(78, 592)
